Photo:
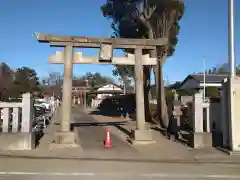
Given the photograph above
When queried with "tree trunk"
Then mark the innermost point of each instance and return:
(147, 76)
(161, 110)
(156, 78)
(161, 95)
(146, 85)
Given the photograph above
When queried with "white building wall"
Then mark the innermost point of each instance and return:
(109, 87)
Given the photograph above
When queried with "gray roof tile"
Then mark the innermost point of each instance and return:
(210, 78)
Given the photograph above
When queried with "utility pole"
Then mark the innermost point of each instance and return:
(231, 56)
(204, 80)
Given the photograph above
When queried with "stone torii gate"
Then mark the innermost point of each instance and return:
(141, 134)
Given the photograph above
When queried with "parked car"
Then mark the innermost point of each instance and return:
(42, 102)
(40, 118)
(38, 110)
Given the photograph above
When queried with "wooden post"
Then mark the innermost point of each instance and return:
(67, 89)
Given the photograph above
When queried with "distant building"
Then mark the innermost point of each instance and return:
(197, 81)
(108, 90)
(79, 86)
(79, 89)
(174, 86)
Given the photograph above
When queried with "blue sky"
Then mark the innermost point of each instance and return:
(203, 34)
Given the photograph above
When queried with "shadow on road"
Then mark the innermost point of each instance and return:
(185, 137)
(116, 124)
(124, 130)
(99, 124)
(161, 130)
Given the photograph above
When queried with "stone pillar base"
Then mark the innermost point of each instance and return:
(202, 140)
(142, 137)
(64, 140)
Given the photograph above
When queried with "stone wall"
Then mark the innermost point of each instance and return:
(16, 127)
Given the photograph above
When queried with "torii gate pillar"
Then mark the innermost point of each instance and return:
(67, 89)
(141, 135)
(66, 138)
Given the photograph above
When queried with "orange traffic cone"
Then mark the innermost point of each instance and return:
(108, 143)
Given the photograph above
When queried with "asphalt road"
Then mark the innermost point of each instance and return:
(93, 133)
(104, 177)
(31, 169)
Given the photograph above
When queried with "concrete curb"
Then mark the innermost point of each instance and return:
(228, 152)
(137, 160)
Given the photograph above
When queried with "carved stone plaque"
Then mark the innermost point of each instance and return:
(106, 52)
